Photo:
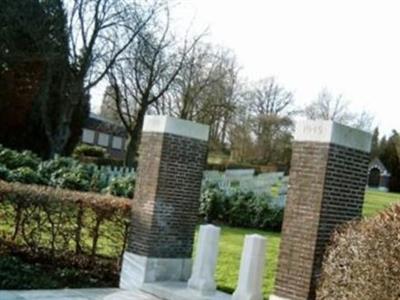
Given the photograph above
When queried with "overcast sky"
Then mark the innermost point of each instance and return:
(352, 47)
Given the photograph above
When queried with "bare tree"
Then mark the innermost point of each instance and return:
(202, 70)
(273, 138)
(108, 108)
(241, 138)
(363, 121)
(329, 107)
(269, 98)
(335, 108)
(270, 106)
(144, 74)
(205, 90)
(220, 99)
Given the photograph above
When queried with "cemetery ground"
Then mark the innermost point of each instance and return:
(231, 243)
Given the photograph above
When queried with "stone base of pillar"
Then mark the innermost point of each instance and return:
(138, 270)
(273, 297)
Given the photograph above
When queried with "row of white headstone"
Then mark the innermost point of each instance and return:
(249, 286)
(116, 171)
(108, 172)
(244, 180)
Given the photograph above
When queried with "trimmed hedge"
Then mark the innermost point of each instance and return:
(108, 162)
(363, 260)
(239, 209)
(61, 225)
(84, 150)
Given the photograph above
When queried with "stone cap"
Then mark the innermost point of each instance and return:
(332, 132)
(166, 124)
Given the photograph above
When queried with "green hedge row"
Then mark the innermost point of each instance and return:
(240, 209)
(63, 172)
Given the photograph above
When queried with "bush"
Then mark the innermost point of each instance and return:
(363, 260)
(47, 168)
(212, 203)
(4, 173)
(60, 223)
(263, 214)
(26, 175)
(68, 173)
(122, 187)
(13, 159)
(70, 179)
(63, 172)
(90, 151)
(241, 209)
(77, 177)
(237, 209)
(108, 162)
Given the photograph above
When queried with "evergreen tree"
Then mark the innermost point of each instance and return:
(21, 66)
(35, 75)
(390, 157)
(109, 109)
(375, 149)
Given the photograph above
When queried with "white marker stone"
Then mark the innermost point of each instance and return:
(251, 269)
(202, 279)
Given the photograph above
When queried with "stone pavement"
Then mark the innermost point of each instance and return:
(179, 291)
(76, 294)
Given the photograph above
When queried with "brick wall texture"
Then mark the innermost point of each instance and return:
(327, 184)
(165, 210)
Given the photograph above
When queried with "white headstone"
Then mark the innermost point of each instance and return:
(251, 269)
(202, 279)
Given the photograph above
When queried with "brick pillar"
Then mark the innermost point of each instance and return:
(172, 155)
(327, 182)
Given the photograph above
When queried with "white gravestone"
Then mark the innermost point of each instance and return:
(251, 269)
(202, 279)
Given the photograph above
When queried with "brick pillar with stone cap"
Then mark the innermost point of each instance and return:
(172, 156)
(327, 182)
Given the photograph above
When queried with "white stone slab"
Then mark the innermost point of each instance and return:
(49, 294)
(239, 172)
(251, 273)
(166, 124)
(137, 270)
(130, 295)
(10, 295)
(77, 294)
(332, 132)
(179, 291)
(273, 297)
(205, 263)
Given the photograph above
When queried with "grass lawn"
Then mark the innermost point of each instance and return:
(376, 201)
(229, 259)
(232, 242)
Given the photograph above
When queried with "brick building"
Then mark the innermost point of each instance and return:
(98, 131)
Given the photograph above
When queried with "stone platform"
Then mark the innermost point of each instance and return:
(179, 291)
(159, 291)
(76, 294)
